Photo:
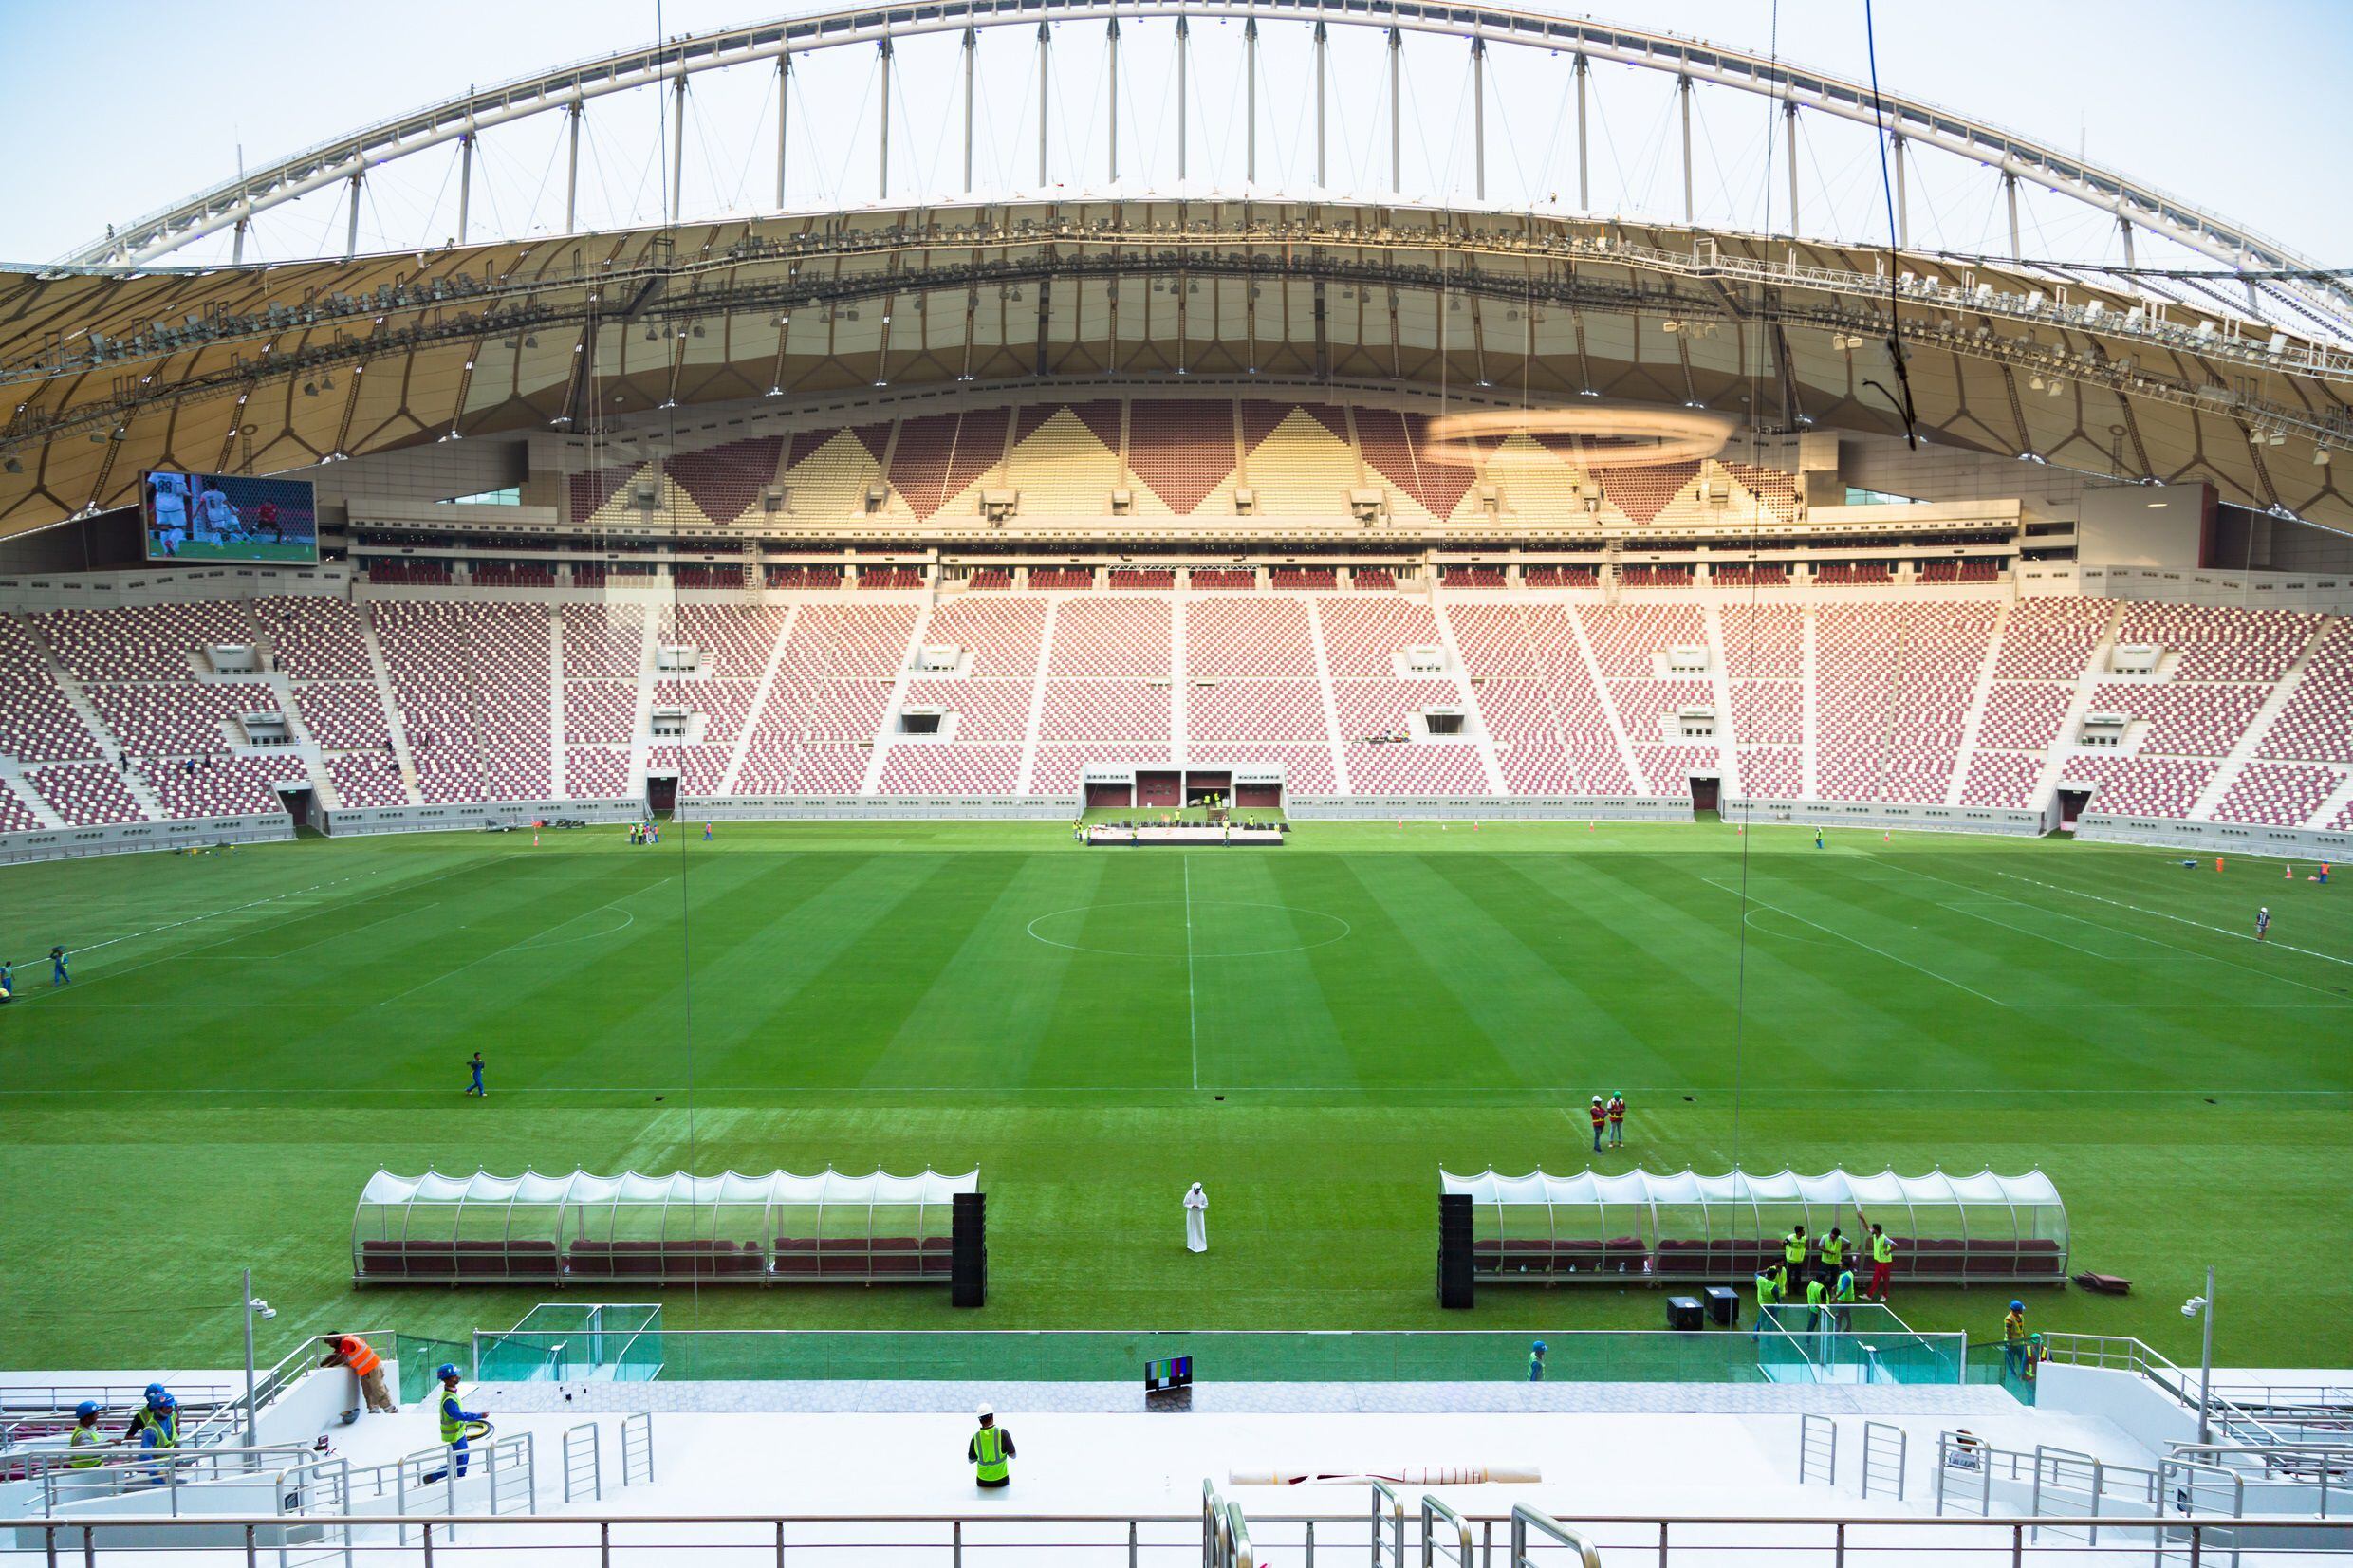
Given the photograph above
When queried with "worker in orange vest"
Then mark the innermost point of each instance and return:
(349, 1350)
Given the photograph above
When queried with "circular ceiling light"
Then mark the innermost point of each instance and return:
(1605, 435)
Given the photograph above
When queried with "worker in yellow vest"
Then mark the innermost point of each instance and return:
(2014, 1339)
(990, 1451)
(86, 1439)
(1793, 1250)
(1834, 1250)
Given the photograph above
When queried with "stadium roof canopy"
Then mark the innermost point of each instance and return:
(2232, 367)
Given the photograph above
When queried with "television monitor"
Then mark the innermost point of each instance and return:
(1168, 1375)
(194, 517)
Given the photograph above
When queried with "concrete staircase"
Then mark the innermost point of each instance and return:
(1975, 721)
(1487, 759)
(759, 700)
(1609, 705)
(12, 779)
(393, 727)
(872, 783)
(1037, 699)
(1330, 699)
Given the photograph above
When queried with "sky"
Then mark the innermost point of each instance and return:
(111, 108)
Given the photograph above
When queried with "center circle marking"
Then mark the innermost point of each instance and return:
(1204, 932)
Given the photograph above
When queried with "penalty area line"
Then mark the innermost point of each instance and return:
(1866, 947)
(2201, 925)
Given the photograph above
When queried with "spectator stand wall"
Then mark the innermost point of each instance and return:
(475, 816)
(1681, 1227)
(789, 808)
(2289, 843)
(1742, 810)
(64, 843)
(667, 1229)
(1493, 808)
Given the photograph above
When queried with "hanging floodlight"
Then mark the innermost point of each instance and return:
(1617, 434)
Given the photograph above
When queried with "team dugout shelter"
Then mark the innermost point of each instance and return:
(664, 1229)
(1682, 1226)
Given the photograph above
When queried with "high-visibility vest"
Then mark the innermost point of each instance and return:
(357, 1355)
(1813, 1292)
(1846, 1284)
(1768, 1290)
(990, 1447)
(1535, 1367)
(2013, 1327)
(85, 1437)
(1882, 1249)
(1793, 1248)
(162, 1425)
(1833, 1250)
(453, 1415)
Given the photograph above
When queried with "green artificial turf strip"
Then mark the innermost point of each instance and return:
(1371, 1002)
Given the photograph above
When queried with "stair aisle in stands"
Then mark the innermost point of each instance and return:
(881, 754)
(557, 762)
(1973, 722)
(395, 725)
(1037, 701)
(1490, 764)
(1808, 661)
(642, 730)
(1330, 698)
(760, 698)
(2250, 743)
(14, 786)
(2079, 703)
(1176, 680)
(1608, 707)
(1720, 685)
(109, 745)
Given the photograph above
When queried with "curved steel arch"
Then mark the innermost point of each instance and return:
(2197, 228)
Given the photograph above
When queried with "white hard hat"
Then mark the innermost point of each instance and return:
(985, 1413)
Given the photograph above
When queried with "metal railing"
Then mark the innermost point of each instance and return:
(1445, 1535)
(1817, 1451)
(167, 1471)
(1885, 1445)
(583, 1463)
(1524, 1538)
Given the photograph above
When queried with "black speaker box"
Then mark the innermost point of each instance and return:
(967, 1279)
(1455, 1288)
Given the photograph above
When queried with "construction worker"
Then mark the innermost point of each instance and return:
(1882, 1263)
(1617, 1109)
(1770, 1293)
(2014, 1339)
(1535, 1362)
(2036, 1355)
(157, 1422)
(1834, 1250)
(1842, 1298)
(1793, 1251)
(85, 1438)
(349, 1350)
(1600, 1114)
(990, 1451)
(456, 1420)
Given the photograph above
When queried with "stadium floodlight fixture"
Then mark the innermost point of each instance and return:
(2319, 458)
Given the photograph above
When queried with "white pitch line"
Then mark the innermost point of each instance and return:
(1193, 1011)
(1858, 942)
(518, 942)
(2218, 931)
(199, 919)
(2112, 931)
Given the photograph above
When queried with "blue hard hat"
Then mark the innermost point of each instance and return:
(165, 1402)
(447, 1371)
(1538, 1346)
(154, 1392)
(86, 1409)
(2017, 1306)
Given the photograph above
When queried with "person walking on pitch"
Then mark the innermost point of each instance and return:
(991, 1452)
(1535, 1362)
(2263, 923)
(475, 1067)
(57, 967)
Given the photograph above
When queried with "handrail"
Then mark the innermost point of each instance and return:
(1431, 1512)
(1525, 1519)
(1396, 1521)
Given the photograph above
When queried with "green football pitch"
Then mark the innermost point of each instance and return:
(1311, 1031)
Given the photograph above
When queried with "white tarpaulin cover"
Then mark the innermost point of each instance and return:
(584, 1188)
(1833, 1189)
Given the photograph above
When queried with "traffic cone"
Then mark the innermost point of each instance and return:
(2218, 862)
(2291, 872)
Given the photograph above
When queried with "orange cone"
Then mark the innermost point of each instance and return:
(2218, 862)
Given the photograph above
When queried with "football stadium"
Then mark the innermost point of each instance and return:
(1071, 781)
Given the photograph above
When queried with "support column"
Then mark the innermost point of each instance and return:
(784, 95)
(972, 43)
(237, 241)
(571, 169)
(1904, 208)
(1683, 85)
(351, 233)
(1111, 92)
(677, 150)
(1478, 117)
(1184, 53)
(1789, 118)
(2124, 227)
(882, 177)
(1583, 72)
(1397, 123)
(2010, 189)
(1250, 94)
(1046, 96)
(1323, 66)
(465, 182)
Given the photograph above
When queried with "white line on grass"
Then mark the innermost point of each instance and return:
(510, 947)
(199, 919)
(2118, 931)
(1858, 942)
(2218, 931)
(1192, 1012)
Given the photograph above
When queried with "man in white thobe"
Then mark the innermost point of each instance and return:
(1196, 1220)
